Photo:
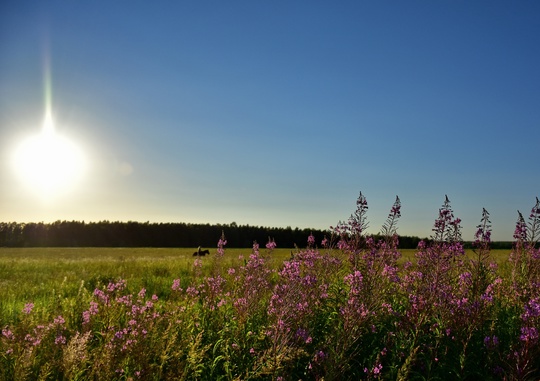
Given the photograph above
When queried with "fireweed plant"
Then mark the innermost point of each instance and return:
(349, 307)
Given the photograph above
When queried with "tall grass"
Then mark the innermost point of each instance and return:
(349, 307)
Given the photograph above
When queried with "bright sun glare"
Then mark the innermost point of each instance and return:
(48, 163)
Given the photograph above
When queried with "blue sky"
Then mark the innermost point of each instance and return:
(277, 113)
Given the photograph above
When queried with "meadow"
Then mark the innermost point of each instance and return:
(41, 274)
(348, 307)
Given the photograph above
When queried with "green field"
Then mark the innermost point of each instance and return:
(162, 314)
(46, 275)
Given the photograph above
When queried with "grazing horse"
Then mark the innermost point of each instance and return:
(200, 253)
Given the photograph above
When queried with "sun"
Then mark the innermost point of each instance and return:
(49, 164)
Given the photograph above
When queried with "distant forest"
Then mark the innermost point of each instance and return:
(145, 234)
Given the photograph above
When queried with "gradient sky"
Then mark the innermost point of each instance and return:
(277, 113)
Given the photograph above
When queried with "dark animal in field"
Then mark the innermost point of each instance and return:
(201, 253)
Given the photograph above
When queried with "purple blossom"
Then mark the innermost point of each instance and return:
(271, 244)
(324, 242)
(311, 240)
(319, 356)
(343, 245)
(86, 317)
(28, 308)
(529, 334)
(125, 299)
(446, 227)
(59, 320)
(390, 226)
(303, 335)
(101, 296)
(482, 237)
(8, 334)
(192, 291)
(354, 280)
(118, 286)
(520, 233)
(142, 293)
(255, 250)
(491, 342)
(221, 245)
(532, 309)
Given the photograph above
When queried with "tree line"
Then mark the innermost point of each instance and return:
(146, 234)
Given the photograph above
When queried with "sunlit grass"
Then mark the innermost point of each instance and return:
(43, 275)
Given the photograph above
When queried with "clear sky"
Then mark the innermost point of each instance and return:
(272, 113)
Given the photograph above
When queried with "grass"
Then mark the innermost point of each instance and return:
(311, 317)
(43, 275)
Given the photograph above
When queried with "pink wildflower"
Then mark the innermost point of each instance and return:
(271, 245)
(7, 334)
(142, 293)
(28, 308)
(59, 320)
(311, 240)
(176, 285)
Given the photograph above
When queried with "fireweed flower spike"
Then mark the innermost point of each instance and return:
(390, 226)
(483, 230)
(351, 234)
(255, 248)
(520, 233)
(311, 241)
(525, 257)
(325, 243)
(358, 221)
(271, 244)
(221, 245)
(447, 228)
(440, 264)
(534, 224)
(482, 272)
(482, 238)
